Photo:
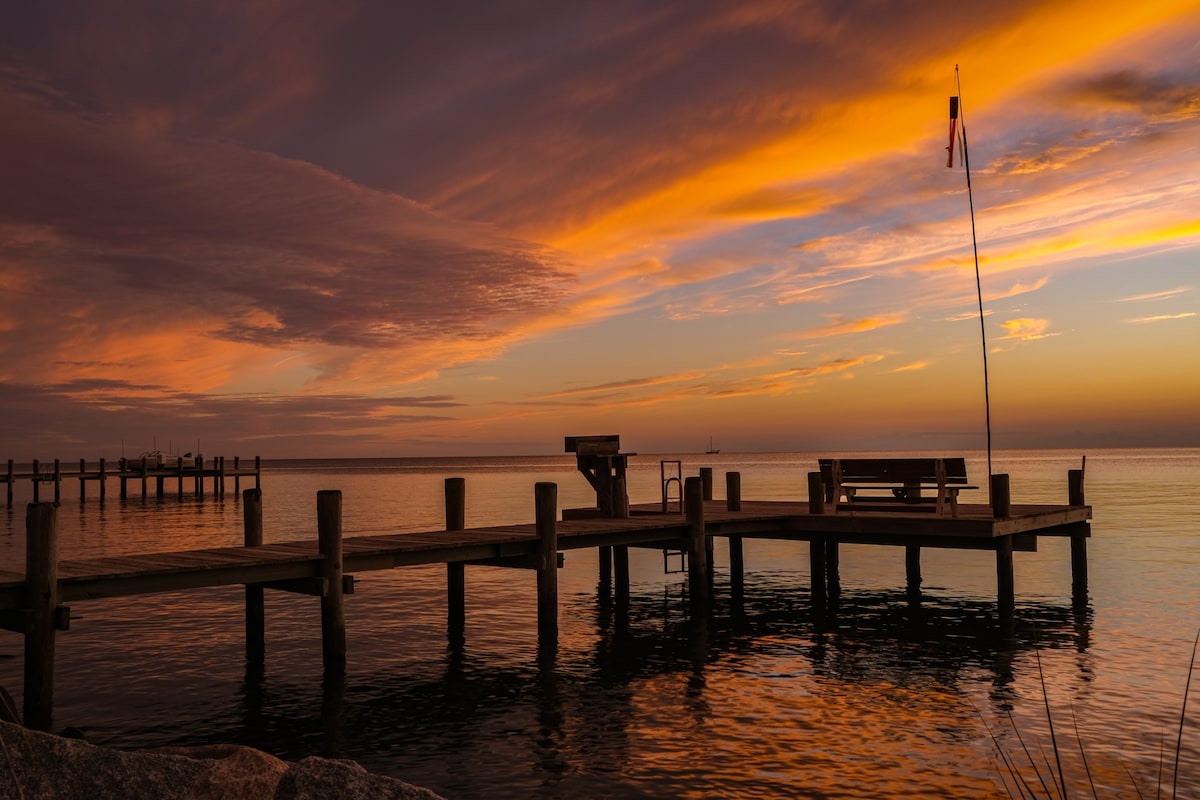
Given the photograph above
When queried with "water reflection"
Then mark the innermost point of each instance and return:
(574, 722)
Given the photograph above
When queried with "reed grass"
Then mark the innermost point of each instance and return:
(1049, 781)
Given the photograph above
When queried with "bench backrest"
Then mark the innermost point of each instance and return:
(892, 470)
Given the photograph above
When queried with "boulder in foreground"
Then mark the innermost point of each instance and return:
(47, 767)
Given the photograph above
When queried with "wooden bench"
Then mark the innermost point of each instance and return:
(901, 478)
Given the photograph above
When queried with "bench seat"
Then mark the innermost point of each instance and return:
(903, 479)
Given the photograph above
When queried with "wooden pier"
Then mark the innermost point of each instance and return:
(181, 471)
(33, 602)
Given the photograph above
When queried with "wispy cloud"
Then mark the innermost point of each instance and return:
(1162, 318)
(913, 367)
(1164, 295)
(838, 326)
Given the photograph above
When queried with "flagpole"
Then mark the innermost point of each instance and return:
(957, 106)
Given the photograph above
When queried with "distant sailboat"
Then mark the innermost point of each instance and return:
(711, 450)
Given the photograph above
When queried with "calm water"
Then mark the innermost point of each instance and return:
(885, 700)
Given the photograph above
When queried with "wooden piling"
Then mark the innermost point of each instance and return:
(122, 467)
(41, 592)
(103, 478)
(817, 556)
(606, 572)
(816, 494)
(733, 491)
(1079, 565)
(179, 471)
(1005, 586)
(333, 613)
(237, 476)
(57, 481)
(698, 548)
(546, 523)
(621, 574)
(733, 502)
(257, 470)
(620, 498)
(1001, 502)
(456, 572)
(37, 481)
(10, 483)
(256, 628)
(706, 480)
(199, 483)
(912, 570)
(82, 480)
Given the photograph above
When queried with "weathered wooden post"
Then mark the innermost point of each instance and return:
(123, 468)
(620, 498)
(199, 483)
(82, 480)
(621, 574)
(333, 614)
(103, 478)
(37, 481)
(1079, 565)
(237, 476)
(706, 480)
(606, 574)
(219, 488)
(10, 483)
(160, 485)
(1001, 502)
(733, 491)
(733, 502)
(698, 571)
(57, 480)
(456, 572)
(816, 545)
(1001, 509)
(41, 599)
(546, 522)
(912, 571)
(256, 629)
(257, 470)
(179, 470)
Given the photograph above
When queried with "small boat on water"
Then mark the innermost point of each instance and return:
(711, 450)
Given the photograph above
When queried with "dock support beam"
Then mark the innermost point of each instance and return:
(256, 627)
(546, 522)
(1079, 565)
(333, 612)
(41, 591)
(737, 564)
(456, 573)
(620, 556)
(698, 545)
(912, 571)
(1001, 508)
(817, 546)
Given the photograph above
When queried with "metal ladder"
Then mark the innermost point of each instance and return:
(665, 468)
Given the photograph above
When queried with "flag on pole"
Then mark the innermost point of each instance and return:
(953, 130)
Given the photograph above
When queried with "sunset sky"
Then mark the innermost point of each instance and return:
(434, 228)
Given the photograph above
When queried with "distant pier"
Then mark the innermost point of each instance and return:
(182, 472)
(33, 603)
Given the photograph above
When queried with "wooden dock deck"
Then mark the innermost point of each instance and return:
(32, 602)
(117, 576)
(180, 470)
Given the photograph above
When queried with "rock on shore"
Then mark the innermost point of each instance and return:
(47, 767)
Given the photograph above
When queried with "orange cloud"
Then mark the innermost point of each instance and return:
(838, 326)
